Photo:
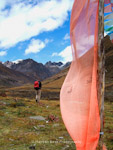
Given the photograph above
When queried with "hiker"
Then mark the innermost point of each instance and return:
(37, 87)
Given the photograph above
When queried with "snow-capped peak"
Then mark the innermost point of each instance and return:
(17, 61)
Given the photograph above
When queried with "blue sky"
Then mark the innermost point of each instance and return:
(37, 29)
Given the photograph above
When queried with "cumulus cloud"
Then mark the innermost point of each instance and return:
(66, 37)
(55, 54)
(22, 20)
(3, 53)
(66, 54)
(35, 46)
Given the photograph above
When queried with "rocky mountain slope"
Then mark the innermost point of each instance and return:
(54, 67)
(36, 70)
(9, 77)
(30, 68)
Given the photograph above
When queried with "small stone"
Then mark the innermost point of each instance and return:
(35, 127)
(11, 139)
(37, 118)
(66, 147)
(55, 125)
(47, 121)
(4, 103)
(61, 137)
(42, 126)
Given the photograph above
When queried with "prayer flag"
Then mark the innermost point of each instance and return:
(78, 96)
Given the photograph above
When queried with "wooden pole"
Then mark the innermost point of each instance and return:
(101, 70)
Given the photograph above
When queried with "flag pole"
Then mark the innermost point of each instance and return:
(101, 70)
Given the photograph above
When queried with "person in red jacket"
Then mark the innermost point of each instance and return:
(37, 87)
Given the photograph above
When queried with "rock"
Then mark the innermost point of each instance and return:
(47, 121)
(35, 128)
(61, 137)
(41, 126)
(37, 118)
(11, 139)
(4, 103)
(55, 125)
(66, 147)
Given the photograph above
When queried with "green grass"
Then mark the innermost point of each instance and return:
(108, 129)
(19, 132)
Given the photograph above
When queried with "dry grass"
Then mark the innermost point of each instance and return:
(19, 132)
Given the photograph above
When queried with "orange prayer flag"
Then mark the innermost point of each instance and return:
(78, 96)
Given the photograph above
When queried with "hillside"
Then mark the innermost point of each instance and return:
(109, 69)
(50, 88)
(10, 77)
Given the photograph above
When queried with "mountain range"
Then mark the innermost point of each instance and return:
(28, 70)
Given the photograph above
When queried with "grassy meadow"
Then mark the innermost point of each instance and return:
(20, 132)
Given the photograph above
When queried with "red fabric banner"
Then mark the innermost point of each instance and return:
(78, 96)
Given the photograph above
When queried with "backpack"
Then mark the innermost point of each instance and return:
(37, 85)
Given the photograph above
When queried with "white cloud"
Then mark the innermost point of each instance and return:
(55, 54)
(66, 37)
(48, 41)
(66, 54)
(3, 53)
(24, 20)
(35, 47)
